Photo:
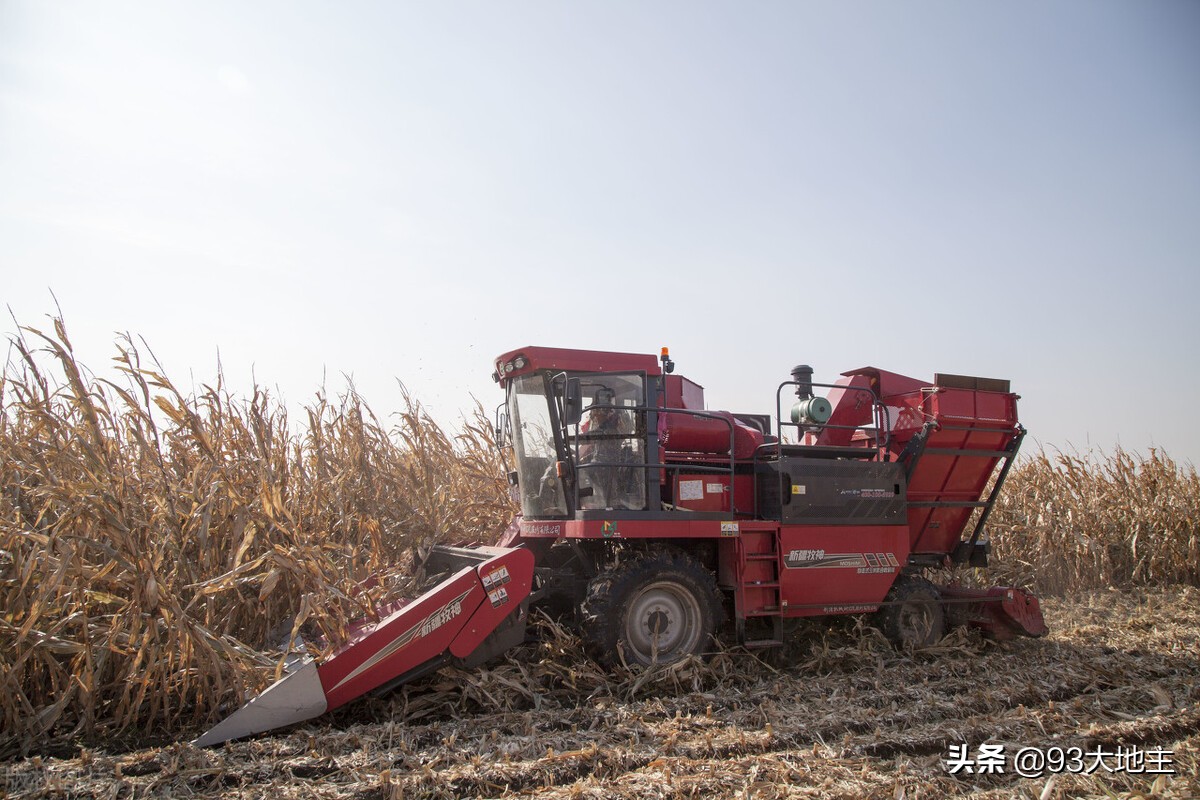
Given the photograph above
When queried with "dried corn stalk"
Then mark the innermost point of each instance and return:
(154, 547)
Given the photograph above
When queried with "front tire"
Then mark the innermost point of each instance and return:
(656, 607)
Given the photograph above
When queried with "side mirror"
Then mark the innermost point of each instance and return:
(572, 402)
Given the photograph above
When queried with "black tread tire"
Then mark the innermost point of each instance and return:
(917, 619)
(677, 579)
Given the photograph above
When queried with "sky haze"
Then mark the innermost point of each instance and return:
(402, 191)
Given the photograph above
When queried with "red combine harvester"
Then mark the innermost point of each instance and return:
(657, 525)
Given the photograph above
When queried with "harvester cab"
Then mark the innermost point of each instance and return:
(655, 526)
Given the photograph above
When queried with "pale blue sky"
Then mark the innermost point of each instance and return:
(403, 191)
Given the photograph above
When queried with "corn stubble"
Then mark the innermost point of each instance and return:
(158, 549)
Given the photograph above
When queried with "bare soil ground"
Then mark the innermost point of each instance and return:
(846, 717)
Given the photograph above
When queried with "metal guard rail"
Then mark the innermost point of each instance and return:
(647, 465)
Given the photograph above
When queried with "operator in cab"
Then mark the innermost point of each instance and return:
(604, 437)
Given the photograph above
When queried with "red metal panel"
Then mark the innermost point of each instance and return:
(683, 393)
(838, 570)
(507, 579)
(850, 408)
(684, 433)
(707, 491)
(886, 383)
(702, 492)
(539, 358)
(631, 528)
(1001, 611)
(406, 639)
(969, 419)
(726, 562)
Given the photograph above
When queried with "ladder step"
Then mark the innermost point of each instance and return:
(761, 644)
(762, 557)
(761, 584)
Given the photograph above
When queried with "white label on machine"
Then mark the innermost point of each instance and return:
(799, 488)
(729, 529)
(717, 488)
(691, 490)
(496, 577)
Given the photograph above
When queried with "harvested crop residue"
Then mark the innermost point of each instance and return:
(847, 718)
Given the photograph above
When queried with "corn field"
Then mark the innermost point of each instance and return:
(155, 546)
(1069, 522)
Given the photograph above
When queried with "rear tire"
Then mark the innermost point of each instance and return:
(655, 607)
(916, 618)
